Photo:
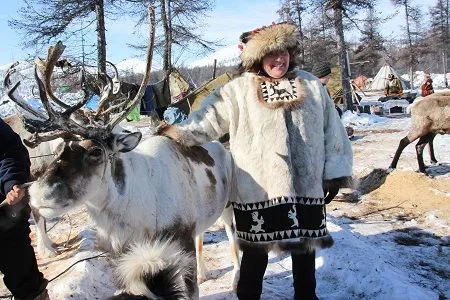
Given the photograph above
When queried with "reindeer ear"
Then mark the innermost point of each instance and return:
(124, 142)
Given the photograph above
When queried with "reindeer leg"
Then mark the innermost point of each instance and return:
(431, 150)
(43, 243)
(230, 228)
(201, 267)
(190, 280)
(403, 143)
(419, 150)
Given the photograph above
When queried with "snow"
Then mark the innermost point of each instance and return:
(227, 56)
(364, 263)
(135, 66)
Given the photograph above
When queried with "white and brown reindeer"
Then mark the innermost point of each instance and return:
(430, 116)
(155, 196)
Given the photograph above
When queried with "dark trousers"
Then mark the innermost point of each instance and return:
(18, 262)
(254, 264)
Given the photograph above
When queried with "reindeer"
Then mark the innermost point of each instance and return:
(259, 222)
(429, 116)
(292, 214)
(140, 195)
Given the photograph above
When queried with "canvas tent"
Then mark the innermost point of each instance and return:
(379, 80)
(192, 102)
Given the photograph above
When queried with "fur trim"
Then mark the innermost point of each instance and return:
(303, 246)
(292, 98)
(156, 270)
(276, 37)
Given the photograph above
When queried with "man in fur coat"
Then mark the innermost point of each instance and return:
(17, 260)
(291, 154)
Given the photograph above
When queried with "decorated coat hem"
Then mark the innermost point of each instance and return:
(283, 221)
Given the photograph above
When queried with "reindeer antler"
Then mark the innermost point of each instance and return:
(10, 92)
(67, 123)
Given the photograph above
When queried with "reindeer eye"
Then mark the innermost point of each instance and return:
(96, 153)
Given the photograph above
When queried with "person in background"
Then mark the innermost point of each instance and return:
(291, 156)
(17, 258)
(322, 71)
(426, 88)
(393, 87)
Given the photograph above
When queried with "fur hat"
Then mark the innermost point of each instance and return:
(259, 42)
(321, 69)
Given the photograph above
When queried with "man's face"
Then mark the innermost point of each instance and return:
(325, 79)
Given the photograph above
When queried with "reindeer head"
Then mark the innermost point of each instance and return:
(92, 143)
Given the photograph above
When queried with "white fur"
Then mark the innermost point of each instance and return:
(149, 258)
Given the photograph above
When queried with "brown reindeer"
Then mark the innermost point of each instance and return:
(430, 116)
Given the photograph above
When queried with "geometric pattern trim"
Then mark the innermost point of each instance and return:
(278, 201)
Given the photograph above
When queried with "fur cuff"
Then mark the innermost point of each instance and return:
(337, 183)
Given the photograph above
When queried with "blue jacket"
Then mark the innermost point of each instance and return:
(14, 160)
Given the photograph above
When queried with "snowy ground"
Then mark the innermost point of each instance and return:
(393, 243)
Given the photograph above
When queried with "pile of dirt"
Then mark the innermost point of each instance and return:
(403, 193)
(415, 192)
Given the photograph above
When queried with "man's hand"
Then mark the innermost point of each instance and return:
(15, 195)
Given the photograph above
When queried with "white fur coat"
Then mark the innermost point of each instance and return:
(287, 140)
(278, 151)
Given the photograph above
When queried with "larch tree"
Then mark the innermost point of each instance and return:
(412, 14)
(41, 22)
(440, 31)
(179, 22)
(292, 11)
(369, 51)
(345, 9)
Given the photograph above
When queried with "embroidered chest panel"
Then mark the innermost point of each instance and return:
(285, 92)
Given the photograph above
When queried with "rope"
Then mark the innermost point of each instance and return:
(63, 272)
(68, 268)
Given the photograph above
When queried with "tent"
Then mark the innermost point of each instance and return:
(379, 81)
(192, 101)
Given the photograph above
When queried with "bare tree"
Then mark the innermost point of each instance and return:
(440, 30)
(341, 9)
(292, 10)
(40, 22)
(371, 46)
(412, 14)
(180, 21)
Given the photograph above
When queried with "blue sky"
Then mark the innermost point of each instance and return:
(226, 22)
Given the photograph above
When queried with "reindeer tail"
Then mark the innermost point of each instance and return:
(155, 270)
